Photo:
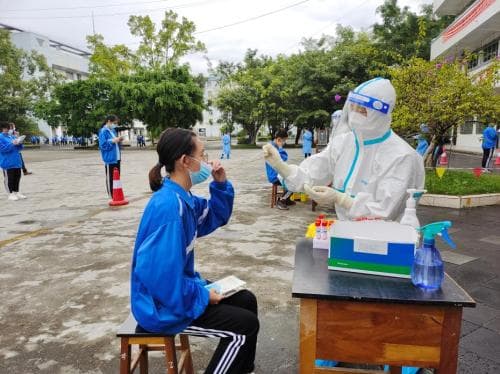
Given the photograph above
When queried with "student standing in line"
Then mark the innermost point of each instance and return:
(167, 294)
(109, 144)
(489, 144)
(10, 161)
(14, 133)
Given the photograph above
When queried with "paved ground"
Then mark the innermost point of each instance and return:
(65, 258)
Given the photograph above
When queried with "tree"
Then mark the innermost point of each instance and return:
(173, 40)
(25, 79)
(404, 33)
(164, 97)
(109, 62)
(441, 95)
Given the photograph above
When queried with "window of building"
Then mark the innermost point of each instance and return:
(490, 51)
(473, 61)
(466, 128)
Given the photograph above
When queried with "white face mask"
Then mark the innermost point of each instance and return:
(357, 121)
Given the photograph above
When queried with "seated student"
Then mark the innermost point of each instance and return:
(167, 294)
(272, 176)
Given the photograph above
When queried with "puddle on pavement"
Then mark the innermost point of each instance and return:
(27, 222)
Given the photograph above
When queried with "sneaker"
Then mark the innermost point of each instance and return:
(486, 171)
(13, 197)
(281, 204)
(290, 202)
(28, 173)
(20, 195)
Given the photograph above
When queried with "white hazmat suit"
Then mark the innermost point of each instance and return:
(370, 167)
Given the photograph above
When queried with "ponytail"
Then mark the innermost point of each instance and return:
(155, 179)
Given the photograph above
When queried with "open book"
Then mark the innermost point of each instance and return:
(227, 286)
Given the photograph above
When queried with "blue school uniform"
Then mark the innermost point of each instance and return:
(10, 155)
(167, 294)
(110, 152)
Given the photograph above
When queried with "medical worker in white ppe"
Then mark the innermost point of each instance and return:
(371, 167)
(338, 125)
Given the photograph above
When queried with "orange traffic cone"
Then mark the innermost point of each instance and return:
(118, 198)
(443, 159)
(497, 161)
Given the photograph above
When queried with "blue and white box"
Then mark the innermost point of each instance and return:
(372, 247)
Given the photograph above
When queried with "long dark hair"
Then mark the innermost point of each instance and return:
(172, 145)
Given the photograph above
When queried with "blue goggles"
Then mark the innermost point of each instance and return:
(368, 102)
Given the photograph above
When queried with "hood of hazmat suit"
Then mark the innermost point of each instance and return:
(370, 163)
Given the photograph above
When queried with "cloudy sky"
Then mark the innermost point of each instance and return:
(271, 26)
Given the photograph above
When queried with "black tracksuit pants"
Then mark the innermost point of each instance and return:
(234, 320)
(12, 177)
(109, 176)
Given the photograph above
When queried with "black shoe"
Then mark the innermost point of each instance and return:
(290, 202)
(281, 204)
(27, 173)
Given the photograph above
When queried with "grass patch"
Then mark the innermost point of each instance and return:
(461, 183)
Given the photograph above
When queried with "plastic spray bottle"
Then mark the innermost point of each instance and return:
(427, 270)
(410, 214)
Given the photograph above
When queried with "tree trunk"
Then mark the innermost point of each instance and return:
(252, 131)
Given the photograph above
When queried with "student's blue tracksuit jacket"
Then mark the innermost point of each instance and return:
(166, 292)
(110, 152)
(10, 156)
(272, 175)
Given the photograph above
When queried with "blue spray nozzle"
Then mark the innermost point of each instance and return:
(446, 237)
(438, 228)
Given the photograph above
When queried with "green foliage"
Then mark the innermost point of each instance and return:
(167, 97)
(461, 183)
(19, 96)
(147, 85)
(405, 34)
(442, 96)
(107, 61)
(173, 40)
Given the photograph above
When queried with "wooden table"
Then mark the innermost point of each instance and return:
(369, 319)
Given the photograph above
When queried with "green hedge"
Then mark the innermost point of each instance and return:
(461, 183)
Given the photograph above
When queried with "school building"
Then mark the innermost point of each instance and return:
(475, 29)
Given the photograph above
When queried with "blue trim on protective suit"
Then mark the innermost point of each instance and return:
(363, 85)
(353, 165)
(378, 140)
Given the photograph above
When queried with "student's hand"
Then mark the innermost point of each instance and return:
(116, 140)
(215, 298)
(218, 172)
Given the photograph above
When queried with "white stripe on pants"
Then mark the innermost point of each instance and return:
(231, 350)
(6, 180)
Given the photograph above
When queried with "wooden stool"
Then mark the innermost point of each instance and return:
(275, 194)
(132, 334)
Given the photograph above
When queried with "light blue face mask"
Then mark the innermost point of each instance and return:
(11, 132)
(201, 175)
(114, 126)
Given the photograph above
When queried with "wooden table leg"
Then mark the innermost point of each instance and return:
(449, 341)
(143, 360)
(308, 315)
(125, 356)
(170, 356)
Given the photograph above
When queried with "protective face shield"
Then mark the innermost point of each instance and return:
(370, 107)
(336, 116)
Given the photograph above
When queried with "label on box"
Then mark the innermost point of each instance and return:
(376, 247)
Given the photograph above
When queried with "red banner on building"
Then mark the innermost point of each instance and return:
(466, 19)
